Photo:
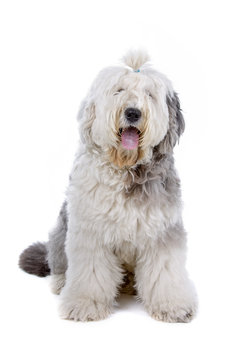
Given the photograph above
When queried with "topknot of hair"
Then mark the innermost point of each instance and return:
(135, 59)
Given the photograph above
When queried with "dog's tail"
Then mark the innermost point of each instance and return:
(33, 260)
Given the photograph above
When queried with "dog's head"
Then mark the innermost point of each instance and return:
(130, 111)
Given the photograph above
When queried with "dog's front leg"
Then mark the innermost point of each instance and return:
(162, 280)
(92, 278)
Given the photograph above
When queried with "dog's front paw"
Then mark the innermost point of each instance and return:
(173, 303)
(84, 310)
(173, 312)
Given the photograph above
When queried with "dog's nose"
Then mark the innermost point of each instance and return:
(132, 114)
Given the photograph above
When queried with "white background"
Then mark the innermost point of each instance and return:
(50, 53)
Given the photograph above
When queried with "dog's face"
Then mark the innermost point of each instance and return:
(128, 113)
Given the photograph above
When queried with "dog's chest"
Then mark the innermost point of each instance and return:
(117, 217)
(106, 209)
(137, 220)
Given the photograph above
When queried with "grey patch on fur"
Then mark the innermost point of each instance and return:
(155, 180)
(33, 260)
(176, 125)
(175, 234)
(41, 259)
(56, 257)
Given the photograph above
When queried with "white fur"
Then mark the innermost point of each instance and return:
(106, 228)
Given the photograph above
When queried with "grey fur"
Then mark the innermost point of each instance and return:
(33, 260)
(176, 125)
(157, 179)
(56, 257)
(41, 259)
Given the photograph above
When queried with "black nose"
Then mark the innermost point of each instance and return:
(132, 114)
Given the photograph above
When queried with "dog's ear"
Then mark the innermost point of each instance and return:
(86, 117)
(176, 125)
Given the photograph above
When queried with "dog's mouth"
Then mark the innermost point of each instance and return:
(129, 137)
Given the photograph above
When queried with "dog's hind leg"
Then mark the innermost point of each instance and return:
(43, 259)
(56, 255)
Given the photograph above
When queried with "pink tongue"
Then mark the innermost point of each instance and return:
(130, 138)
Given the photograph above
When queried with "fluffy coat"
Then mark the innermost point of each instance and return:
(121, 224)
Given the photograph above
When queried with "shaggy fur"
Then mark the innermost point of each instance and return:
(120, 227)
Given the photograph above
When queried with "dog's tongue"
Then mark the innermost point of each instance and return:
(130, 138)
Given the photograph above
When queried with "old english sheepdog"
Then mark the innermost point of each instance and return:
(120, 228)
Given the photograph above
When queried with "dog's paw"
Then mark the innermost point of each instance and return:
(57, 282)
(173, 313)
(84, 310)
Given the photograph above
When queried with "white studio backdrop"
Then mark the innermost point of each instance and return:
(50, 53)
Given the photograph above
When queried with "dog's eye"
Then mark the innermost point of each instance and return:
(149, 94)
(118, 91)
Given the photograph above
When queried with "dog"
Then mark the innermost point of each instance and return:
(120, 228)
